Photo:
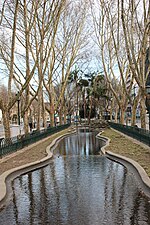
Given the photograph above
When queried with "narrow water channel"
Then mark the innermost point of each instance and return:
(78, 187)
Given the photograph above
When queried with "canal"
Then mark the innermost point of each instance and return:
(78, 187)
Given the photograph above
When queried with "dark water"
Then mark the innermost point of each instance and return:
(80, 188)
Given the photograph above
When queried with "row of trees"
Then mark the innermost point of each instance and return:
(91, 93)
(122, 33)
(40, 43)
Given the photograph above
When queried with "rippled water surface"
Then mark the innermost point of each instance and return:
(78, 187)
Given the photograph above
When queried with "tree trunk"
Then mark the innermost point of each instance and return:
(39, 108)
(89, 117)
(44, 114)
(133, 118)
(52, 110)
(84, 105)
(142, 112)
(60, 117)
(26, 123)
(6, 124)
(116, 115)
(52, 119)
(39, 118)
(111, 116)
(52, 114)
(65, 115)
(44, 120)
(122, 113)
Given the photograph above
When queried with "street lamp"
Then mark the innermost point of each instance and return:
(148, 101)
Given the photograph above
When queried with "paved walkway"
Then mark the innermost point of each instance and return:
(14, 129)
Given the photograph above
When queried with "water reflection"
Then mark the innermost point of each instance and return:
(78, 189)
(84, 142)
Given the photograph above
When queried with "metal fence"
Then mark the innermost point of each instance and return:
(10, 145)
(140, 134)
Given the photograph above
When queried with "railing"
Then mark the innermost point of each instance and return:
(140, 134)
(8, 146)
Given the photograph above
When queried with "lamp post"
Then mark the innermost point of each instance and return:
(148, 101)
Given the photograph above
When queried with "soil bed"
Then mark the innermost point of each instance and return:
(128, 147)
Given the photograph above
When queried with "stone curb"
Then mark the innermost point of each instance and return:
(106, 140)
(11, 174)
(138, 170)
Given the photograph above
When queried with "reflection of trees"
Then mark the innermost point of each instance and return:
(20, 179)
(119, 198)
(114, 199)
(77, 146)
(65, 177)
(134, 217)
(15, 209)
(147, 212)
(106, 193)
(83, 143)
(62, 171)
(140, 211)
(121, 203)
(72, 171)
(31, 197)
(43, 195)
(71, 144)
(22, 184)
(63, 147)
(84, 146)
(55, 194)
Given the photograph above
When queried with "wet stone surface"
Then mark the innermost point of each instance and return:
(78, 187)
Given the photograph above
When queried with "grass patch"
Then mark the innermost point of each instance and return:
(121, 145)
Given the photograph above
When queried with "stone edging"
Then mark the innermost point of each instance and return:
(11, 174)
(140, 173)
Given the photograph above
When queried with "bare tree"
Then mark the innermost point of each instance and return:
(109, 40)
(68, 45)
(122, 37)
(135, 22)
(28, 30)
(6, 103)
